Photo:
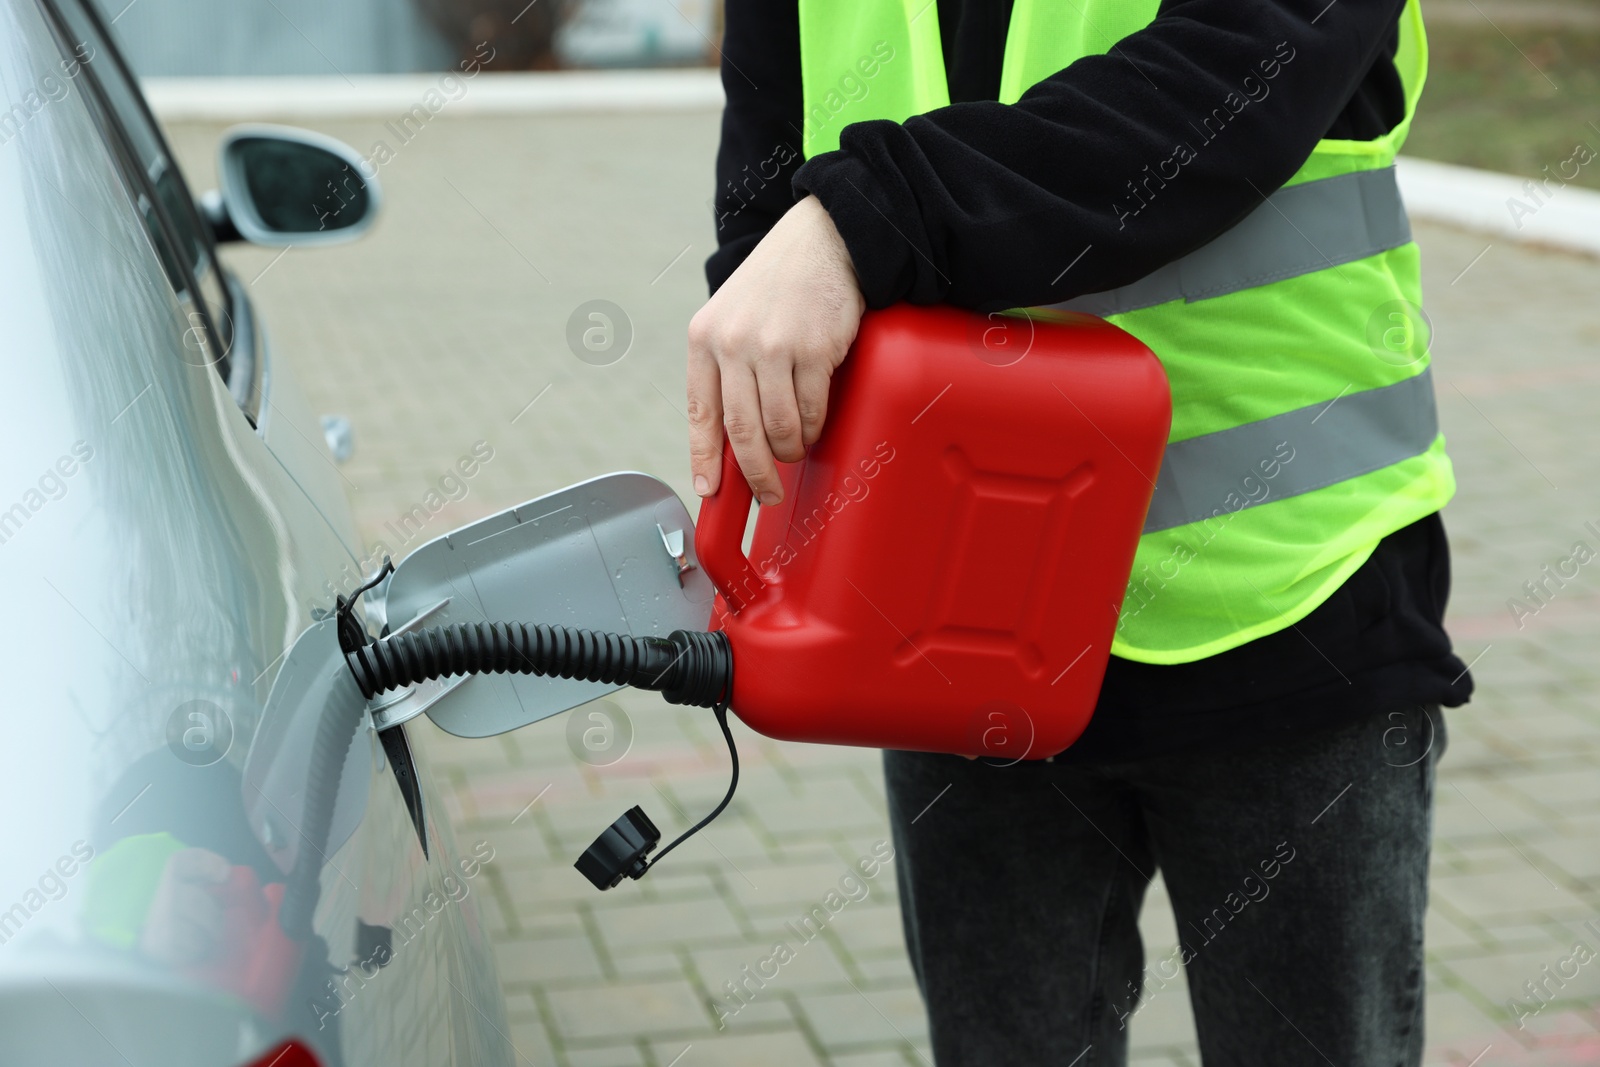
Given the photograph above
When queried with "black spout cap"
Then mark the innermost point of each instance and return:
(620, 850)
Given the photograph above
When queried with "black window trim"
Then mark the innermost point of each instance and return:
(119, 140)
(197, 219)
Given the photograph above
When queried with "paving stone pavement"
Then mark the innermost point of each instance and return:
(446, 327)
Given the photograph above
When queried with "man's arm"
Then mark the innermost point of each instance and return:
(784, 289)
(983, 205)
(760, 146)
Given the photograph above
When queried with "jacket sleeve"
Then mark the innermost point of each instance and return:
(760, 147)
(988, 206)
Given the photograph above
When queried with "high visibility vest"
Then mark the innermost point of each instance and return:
(1303, 428)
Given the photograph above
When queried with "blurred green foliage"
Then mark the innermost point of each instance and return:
(1514, 101)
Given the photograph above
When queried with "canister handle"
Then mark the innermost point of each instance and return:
(719, 536)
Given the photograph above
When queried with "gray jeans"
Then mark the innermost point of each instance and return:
(1298, 875)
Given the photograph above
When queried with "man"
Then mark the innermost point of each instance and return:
(1215, 177)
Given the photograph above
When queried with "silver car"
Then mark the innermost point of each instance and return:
(218, 852)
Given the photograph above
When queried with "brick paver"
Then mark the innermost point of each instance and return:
(443, 326)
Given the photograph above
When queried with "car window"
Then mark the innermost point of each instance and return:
(181, 236)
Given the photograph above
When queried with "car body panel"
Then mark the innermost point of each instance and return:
(156, 562)
(294, 435)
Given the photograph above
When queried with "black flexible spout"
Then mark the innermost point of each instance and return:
(335, 732)
(686, 667)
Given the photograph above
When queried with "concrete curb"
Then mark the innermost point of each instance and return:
(390, 96)
(1542, 212)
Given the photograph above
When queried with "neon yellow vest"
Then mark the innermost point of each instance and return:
(1319, 338)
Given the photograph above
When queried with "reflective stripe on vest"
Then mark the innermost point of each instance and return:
(1298, 229)
(1336, 441)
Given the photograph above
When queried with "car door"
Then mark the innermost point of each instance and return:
(411, 981)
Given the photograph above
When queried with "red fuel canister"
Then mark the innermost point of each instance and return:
(945, 570)
(254, 959)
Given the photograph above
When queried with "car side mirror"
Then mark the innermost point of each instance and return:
(287, 186)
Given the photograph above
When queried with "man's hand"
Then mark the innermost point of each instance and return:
(763, 348)
(185, 922)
